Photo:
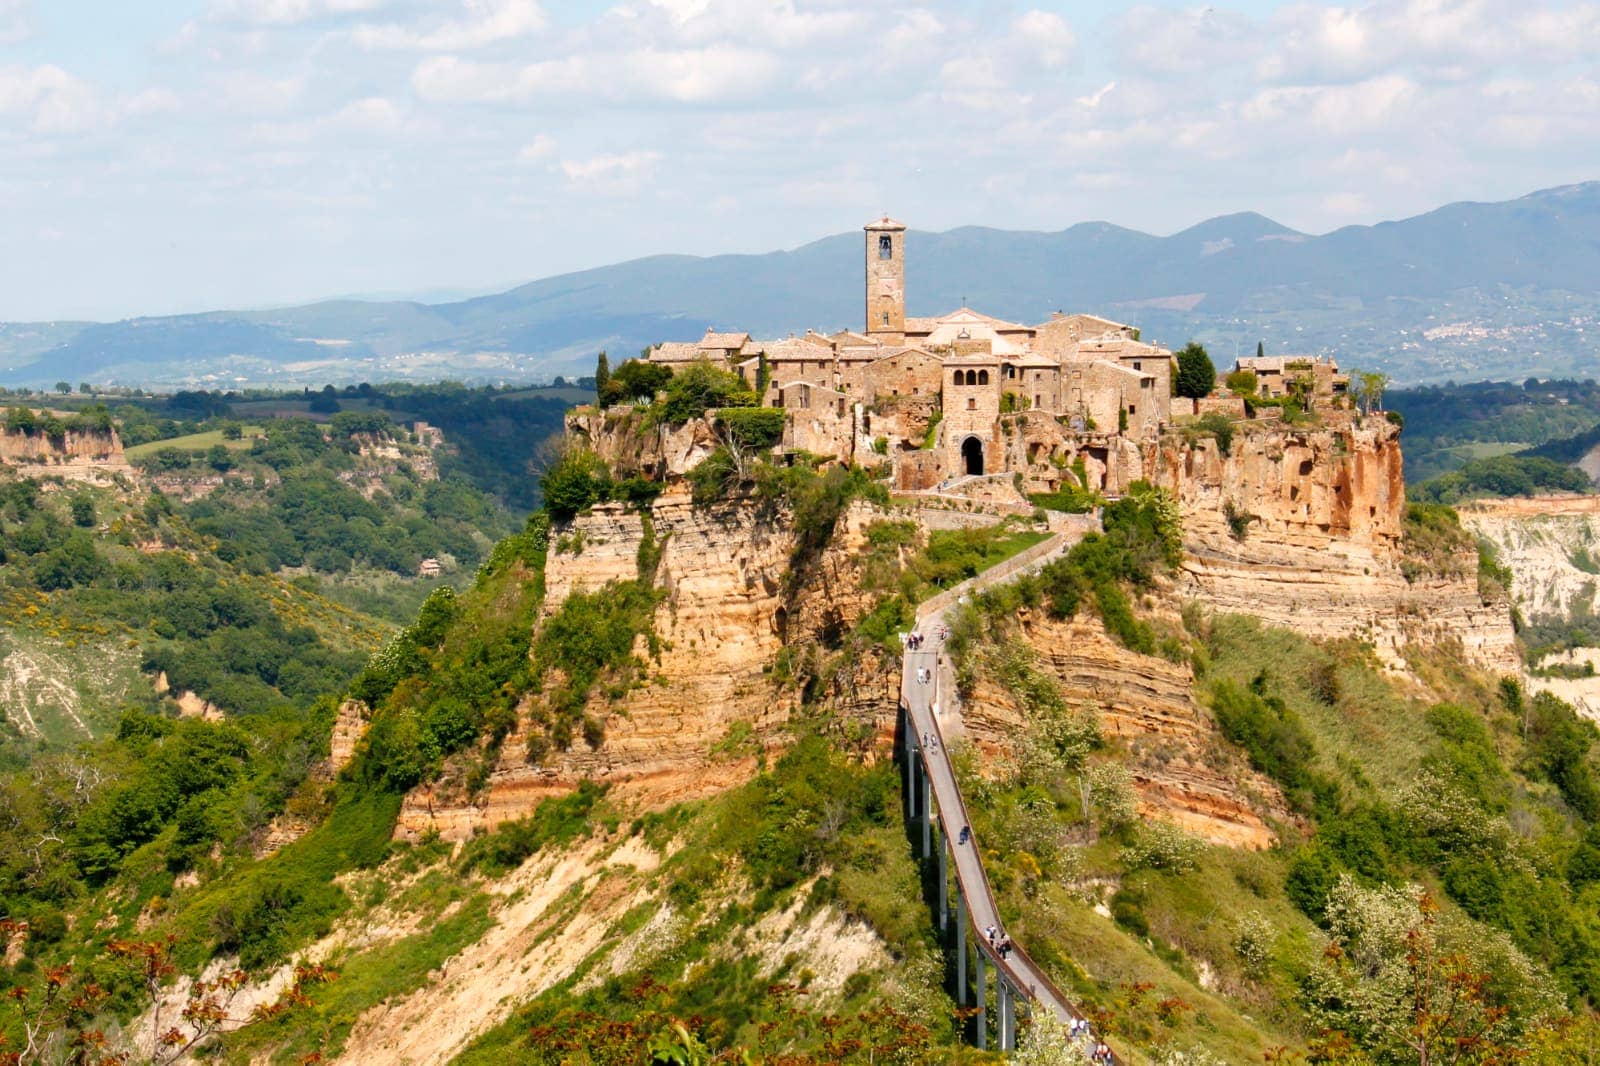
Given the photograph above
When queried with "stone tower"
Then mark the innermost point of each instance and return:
(886, 280)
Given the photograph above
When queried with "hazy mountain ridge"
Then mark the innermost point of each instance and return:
(1467, 290)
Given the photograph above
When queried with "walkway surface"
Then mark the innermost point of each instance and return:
(919, 698)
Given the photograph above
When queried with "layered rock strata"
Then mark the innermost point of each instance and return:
(1183, 769)
(708, 708)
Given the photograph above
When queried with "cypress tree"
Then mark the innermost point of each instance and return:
(602, 377)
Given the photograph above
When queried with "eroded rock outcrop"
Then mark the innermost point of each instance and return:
(1303, 528)
(708, 706)
(1183, 769)
(76, 454)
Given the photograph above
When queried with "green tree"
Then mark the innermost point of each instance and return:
(63, 387)
(83, 510)
(1261, 350)
(636, 379)
(85, 388)
(325, 402)
(700, 387)
(1367, 388)
(1197, 375)
(602, 375)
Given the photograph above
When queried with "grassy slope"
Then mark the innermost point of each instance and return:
(197, 442)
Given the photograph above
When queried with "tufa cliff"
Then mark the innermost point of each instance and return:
(1305, 528)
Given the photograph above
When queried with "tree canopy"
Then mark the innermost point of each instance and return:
(1197, 376)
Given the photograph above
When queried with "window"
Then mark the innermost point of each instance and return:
(886, 318)
(972, 404)
(1036, 401)
(885, 246)
(983, 377)
(1137, 365)
(1132, 409)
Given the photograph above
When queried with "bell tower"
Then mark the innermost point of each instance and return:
(886, 280)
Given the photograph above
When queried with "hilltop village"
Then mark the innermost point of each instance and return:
(964, 395)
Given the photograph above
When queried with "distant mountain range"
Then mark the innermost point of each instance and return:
(1468, 291)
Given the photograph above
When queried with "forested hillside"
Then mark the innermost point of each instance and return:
(252, 557)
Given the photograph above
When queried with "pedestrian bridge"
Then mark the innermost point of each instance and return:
(934, 798)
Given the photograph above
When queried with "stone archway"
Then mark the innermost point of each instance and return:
(972, 455)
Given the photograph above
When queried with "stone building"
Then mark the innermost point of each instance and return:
(958, 395)
(1275, 374)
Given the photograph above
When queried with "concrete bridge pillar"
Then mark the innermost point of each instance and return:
(927, 802)
(1006, 1008)
(982, 1004)
(944, 878)
(961, 948)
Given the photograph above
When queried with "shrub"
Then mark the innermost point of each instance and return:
(1219, 426)
(1276, 741)
(556, 822)
(1163, 846)
(711, 479)
(576, 481)
(698, 388)
(754, 428)
(1241, 382)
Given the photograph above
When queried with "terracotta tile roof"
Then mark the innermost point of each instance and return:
(675, 352)
(727, 341)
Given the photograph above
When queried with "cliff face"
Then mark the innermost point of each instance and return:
(77, 454)
(620, 437)
(1182, 768)
(1301, 487)
(709, 707)
(1551, 545)
(1315, 542)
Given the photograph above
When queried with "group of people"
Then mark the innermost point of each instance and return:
(914, 641)
(930, 742)
(1001, 942)
(1100, 1053)
(924, 674)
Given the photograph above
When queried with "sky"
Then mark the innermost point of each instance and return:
(161, 156)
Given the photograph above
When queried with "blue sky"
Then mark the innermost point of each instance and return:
(158, 156)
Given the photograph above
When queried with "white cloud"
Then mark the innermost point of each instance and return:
(288, 12)
(942, 111)
(699, 76)
(537, 150)
(481, 23)
(1048, 34)
(15, 23)
(48, 99)
(1093, 100)
(151, 102)
(607, 168)
(369, 118)
(1348, 204)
